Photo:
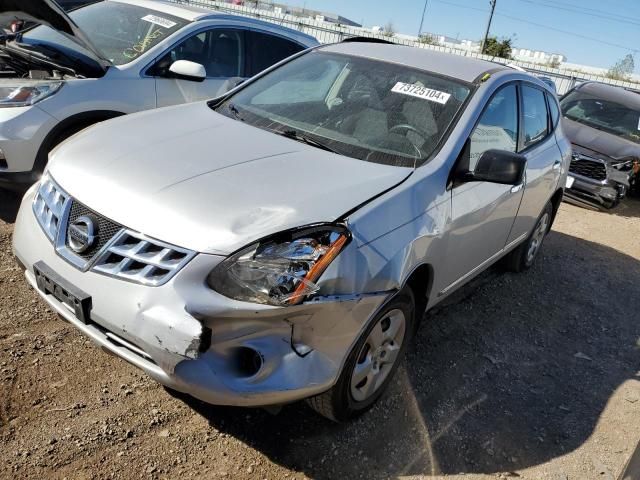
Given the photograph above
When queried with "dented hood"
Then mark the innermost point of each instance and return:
(600, 142)
(48, 12)
(192, 177)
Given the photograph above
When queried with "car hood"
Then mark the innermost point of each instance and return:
(48, 12)
(197, 179)
(599, 142)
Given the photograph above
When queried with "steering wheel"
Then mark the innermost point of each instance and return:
(416, 149)
(407, 127)
(410, 128)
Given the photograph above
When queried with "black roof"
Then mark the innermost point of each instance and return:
(612, 93)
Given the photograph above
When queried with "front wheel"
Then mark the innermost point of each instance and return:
(372, 362)
(522, 257)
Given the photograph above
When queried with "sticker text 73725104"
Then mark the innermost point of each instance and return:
(420, 91)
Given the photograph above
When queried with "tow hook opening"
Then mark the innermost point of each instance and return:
(246, 362)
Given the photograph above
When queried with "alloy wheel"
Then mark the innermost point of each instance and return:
(378, 355)
(538, 237)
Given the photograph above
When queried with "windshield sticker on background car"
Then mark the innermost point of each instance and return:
(163, 22)
(140, 47)
(420, 91)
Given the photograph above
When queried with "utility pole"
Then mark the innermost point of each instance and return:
(486, 34)
(424, 10)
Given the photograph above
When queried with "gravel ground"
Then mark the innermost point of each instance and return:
(532, 376)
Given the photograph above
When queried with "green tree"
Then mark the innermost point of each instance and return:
(389, 30)
(428, 39)
(622, 69)
(498, 48)
(554, 63)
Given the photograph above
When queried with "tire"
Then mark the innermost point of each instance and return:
(523, 257)
(351, 396)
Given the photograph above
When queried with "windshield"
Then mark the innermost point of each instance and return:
(361, 108)
(119, 31)
(604, 115)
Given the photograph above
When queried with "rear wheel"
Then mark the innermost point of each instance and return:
(522, 257)
(372, 362)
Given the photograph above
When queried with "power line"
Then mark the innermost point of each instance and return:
(595, 10)
(574, 34)
(604, 42)
(578, 10)
(461, 6)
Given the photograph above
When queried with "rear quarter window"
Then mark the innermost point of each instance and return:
(554, 110)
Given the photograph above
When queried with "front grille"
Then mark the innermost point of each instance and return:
(137, 258)
(106, 229)
(595, 169)
(48, 206)
(118, 252)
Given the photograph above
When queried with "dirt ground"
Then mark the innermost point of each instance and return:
(532, 376)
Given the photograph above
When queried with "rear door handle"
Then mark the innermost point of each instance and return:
(557, 164)
(517, 188)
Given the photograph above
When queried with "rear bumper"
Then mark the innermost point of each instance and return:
(300, 350)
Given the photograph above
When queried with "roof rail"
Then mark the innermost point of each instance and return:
(360, 39)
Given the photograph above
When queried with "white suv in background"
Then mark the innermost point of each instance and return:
(116, 57)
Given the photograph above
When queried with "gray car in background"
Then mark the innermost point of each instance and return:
(283, 241)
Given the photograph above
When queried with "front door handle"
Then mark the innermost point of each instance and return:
(517, 188)
(557, 165)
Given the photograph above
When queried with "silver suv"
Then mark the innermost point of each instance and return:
(283, 241)
(115, 57)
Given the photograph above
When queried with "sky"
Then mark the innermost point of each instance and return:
(587, 32)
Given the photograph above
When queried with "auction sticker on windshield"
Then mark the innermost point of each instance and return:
(163, 22)
(420, 91)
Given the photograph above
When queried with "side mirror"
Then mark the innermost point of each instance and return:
(498, 166)
(186, 70)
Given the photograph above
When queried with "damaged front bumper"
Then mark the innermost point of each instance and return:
(595, 181)
(603, 194)
(189, 338)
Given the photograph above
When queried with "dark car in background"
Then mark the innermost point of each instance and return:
(603, 124)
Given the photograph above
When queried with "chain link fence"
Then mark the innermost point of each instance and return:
(327, 32)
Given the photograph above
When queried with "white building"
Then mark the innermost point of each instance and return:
(537, 56)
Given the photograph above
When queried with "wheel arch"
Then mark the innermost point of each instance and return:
(68, 127)
(420, 281)
(556, 200)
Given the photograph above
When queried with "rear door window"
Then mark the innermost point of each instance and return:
(535, 117)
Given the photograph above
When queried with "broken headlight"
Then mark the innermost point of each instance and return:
(25, 95)
(623, 164)
(281, 270)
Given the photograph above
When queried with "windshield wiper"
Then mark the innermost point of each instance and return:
(236, 113)
(295, 135)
